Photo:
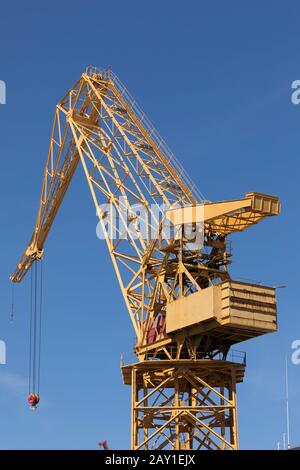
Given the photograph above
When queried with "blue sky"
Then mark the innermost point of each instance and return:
(215, 79)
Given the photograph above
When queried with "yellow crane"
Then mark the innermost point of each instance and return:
(170, 251)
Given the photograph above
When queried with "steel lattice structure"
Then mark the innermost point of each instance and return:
(138, 188)
(184, 404)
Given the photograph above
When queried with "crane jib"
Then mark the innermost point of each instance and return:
(171, 252)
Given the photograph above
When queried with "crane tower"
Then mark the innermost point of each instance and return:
(170, 250)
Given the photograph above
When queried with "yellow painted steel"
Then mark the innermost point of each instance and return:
(126, 164)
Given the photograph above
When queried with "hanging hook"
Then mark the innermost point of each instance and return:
(33, 400)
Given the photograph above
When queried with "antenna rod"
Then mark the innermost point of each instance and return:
(287, 404)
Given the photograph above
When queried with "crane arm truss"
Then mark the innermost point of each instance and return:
(187, 398)
(127, 165)
(135, 181)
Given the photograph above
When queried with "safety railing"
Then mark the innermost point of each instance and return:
(235, 356)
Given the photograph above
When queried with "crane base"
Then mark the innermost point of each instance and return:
(183, 404)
